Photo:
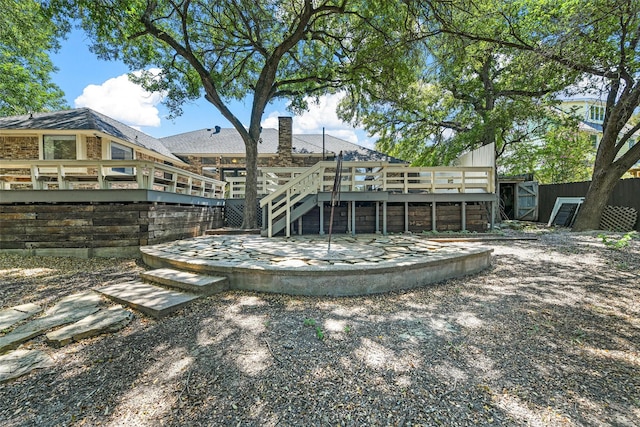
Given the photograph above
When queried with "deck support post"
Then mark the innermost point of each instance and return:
(406, 217)
(353, 217)
(300, 226)
(384, 218)
(321, 206)
(463, 208)
(434, 227)
(493, 215)
(377, 217)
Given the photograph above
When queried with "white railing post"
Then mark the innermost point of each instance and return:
(270, 219)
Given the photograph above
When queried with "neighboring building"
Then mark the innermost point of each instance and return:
(591, 112)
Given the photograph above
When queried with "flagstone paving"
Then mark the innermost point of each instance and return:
(13, 315)
(307, 265)
(67, 310)
(82, 314)
(111, 319)
(21, 362)
(150, 299)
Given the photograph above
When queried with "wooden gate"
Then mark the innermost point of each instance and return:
(526, 203)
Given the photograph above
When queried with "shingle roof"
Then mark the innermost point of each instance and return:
(228, 141)
(85, 119)
(350, 151)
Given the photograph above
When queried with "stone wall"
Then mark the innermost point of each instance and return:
(94, 148)
(99, 229)
(19, 147)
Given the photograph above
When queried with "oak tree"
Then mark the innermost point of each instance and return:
(28, 33)
(597, 38)
(253, 50)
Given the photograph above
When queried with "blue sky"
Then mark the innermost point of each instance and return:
(104, 87)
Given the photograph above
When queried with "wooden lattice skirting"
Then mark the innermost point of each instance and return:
(618, 218)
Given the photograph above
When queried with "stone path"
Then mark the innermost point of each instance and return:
(13, 315)
(21, 362)
(151, 300)
(82, 315)
(74, 317)
(111, 319)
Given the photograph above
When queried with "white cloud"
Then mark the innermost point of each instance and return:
(322, 114)
(123, 100)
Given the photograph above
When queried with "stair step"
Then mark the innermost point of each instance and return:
(190, 282)
(150, 299)
(227, 231)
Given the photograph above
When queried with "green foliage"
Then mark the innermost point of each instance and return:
(618, 244)
(597, 40)
(227, 50)
(458, 95)
(563, 154)
(27, 33)
(318, 329)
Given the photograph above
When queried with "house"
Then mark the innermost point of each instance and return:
(116, 188)
(591, 112)
(80, 134)
(220, 152)
(79, 183)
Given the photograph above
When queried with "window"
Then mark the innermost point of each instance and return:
(120, 152)
(59, 147)
(596, 113)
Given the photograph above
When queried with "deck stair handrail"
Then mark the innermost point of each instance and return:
(106, 174)
(283, 200)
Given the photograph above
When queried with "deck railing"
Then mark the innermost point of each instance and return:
(106, 174)
(368, 176)
(378, 176)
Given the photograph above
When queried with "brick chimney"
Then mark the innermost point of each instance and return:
(285, 141)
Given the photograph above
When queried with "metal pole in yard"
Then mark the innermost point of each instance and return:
(335, 195)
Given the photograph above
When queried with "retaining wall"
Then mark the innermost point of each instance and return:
(99, 229)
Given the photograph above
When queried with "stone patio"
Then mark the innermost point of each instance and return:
(304, 265)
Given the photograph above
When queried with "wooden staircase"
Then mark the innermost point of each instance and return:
(301, 208)
(163, 291)
(292, 200)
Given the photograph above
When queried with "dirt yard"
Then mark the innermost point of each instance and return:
(548, 336)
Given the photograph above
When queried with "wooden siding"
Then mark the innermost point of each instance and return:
(625, 193)
(448, 218)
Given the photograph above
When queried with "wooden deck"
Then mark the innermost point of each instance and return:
(106, 175)
(289, 193)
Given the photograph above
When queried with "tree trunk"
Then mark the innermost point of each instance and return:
(595, 201)
(250, 217)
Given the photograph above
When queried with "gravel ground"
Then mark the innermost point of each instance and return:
(548, 336)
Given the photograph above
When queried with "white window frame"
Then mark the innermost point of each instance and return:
(127, 171)
(597, 113)
(75, 137)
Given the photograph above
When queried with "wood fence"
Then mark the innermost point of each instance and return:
(625, 193)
